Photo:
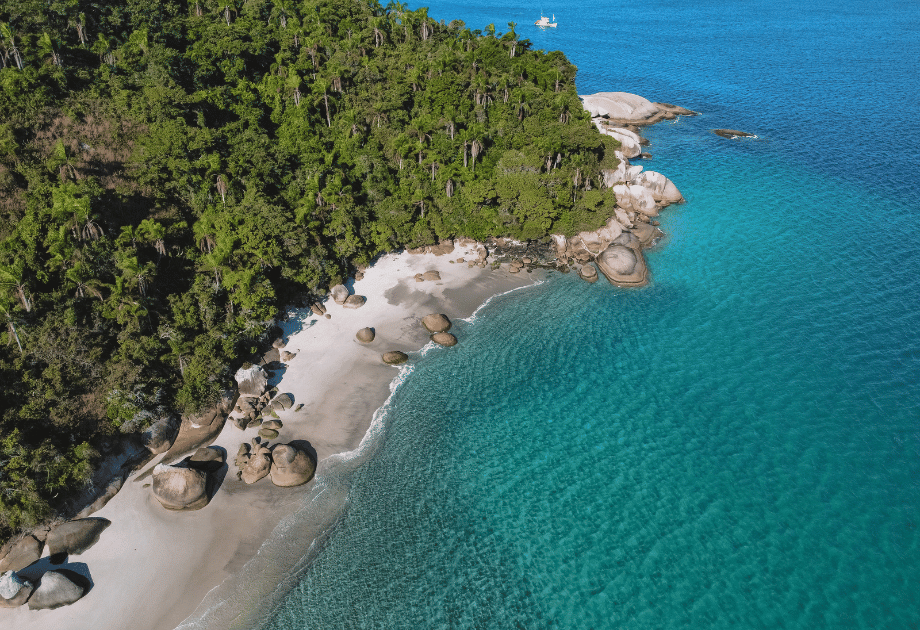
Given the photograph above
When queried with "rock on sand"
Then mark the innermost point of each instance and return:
(180, 488)
(365, 335)
(339, 293)
(291, 466)
(55, 590)
(395, 357)
(75, 537)
(436, 323)
(14, 590)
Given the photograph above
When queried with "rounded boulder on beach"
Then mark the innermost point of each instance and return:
(444, 338)
(291, 466)
(395, 357)
(436, 323)
(365, 335)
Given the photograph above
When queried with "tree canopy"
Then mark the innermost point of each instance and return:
(173, 172)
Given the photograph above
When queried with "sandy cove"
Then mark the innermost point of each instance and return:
(152, 568)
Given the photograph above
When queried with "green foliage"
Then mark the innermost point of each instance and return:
(172, 172)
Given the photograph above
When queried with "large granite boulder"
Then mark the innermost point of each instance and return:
(354, 301)
(180, 488)
(395, 357)
(588, 272)
(291, 466)
(629, 145)
(251, 381)
(436, 322)
(623, 266)
(339, 293)
(14, 590)
(74, 537)
(160, 435)
(20, 554)
(632, 197)
(444, 338)
(207, 459)
(662, 189)
(55, 589)
(283, 401)
(645, 233)
(365, 335)
(258, 466)
(620, 106)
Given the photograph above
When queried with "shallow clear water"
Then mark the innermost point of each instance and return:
(736, 445)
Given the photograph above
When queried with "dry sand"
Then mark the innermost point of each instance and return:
(153, 569)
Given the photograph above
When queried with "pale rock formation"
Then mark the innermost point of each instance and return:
(623, 266)
(620, 106)
(251, 381)
(636, 198)
(179, 488)
(629, 143)
(663, 189)
(433, 274)
(339, 293)
(160, 435)
(14, 590)
(54, 590)
(354, 301)
(436, 322)
(291, 466)
(588, 272)
(645, 233)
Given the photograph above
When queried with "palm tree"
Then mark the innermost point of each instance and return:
(514, 40)
(10, 324)
(80, 279)
(13, 277)
(7, 34)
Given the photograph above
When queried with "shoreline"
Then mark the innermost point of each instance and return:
(172, 568)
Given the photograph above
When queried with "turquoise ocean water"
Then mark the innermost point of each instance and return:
(736, 445)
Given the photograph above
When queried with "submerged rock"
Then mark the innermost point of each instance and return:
(732, 134)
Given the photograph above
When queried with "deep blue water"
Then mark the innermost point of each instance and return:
(736, 445)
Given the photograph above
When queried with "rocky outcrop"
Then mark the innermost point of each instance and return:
(444, 338)
(635, 198)
(161, 434)
(630, 145)
(282, 402)
(365, 335)
(354, 301)
(207, 459)
(626, 108)
(251, 381)
(339, 293)
(55, 589)
(436, 322)
(442, 248)
(661, 188)
(291, 466)
(257, 466)
(395, 357)
(20, 554)
(623, 266)
(180, 488)
(14, 590)
(74, 537)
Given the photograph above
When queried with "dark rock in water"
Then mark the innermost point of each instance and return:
(75, 537)
(291, 466)
(268, 434)
(180, 488)
(444, 339)
(365, 335)
(731, 134)
(14, 590)
(20, 554)
(55, 589)
(436, 322)
(354, 301)
(395, 357)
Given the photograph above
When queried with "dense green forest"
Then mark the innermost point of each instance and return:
(172, 172)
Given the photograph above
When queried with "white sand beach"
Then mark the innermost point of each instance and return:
(153, 568)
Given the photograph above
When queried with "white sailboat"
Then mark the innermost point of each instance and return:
(544, 21)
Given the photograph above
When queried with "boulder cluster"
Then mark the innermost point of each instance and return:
(23, 581)
(286, 464)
